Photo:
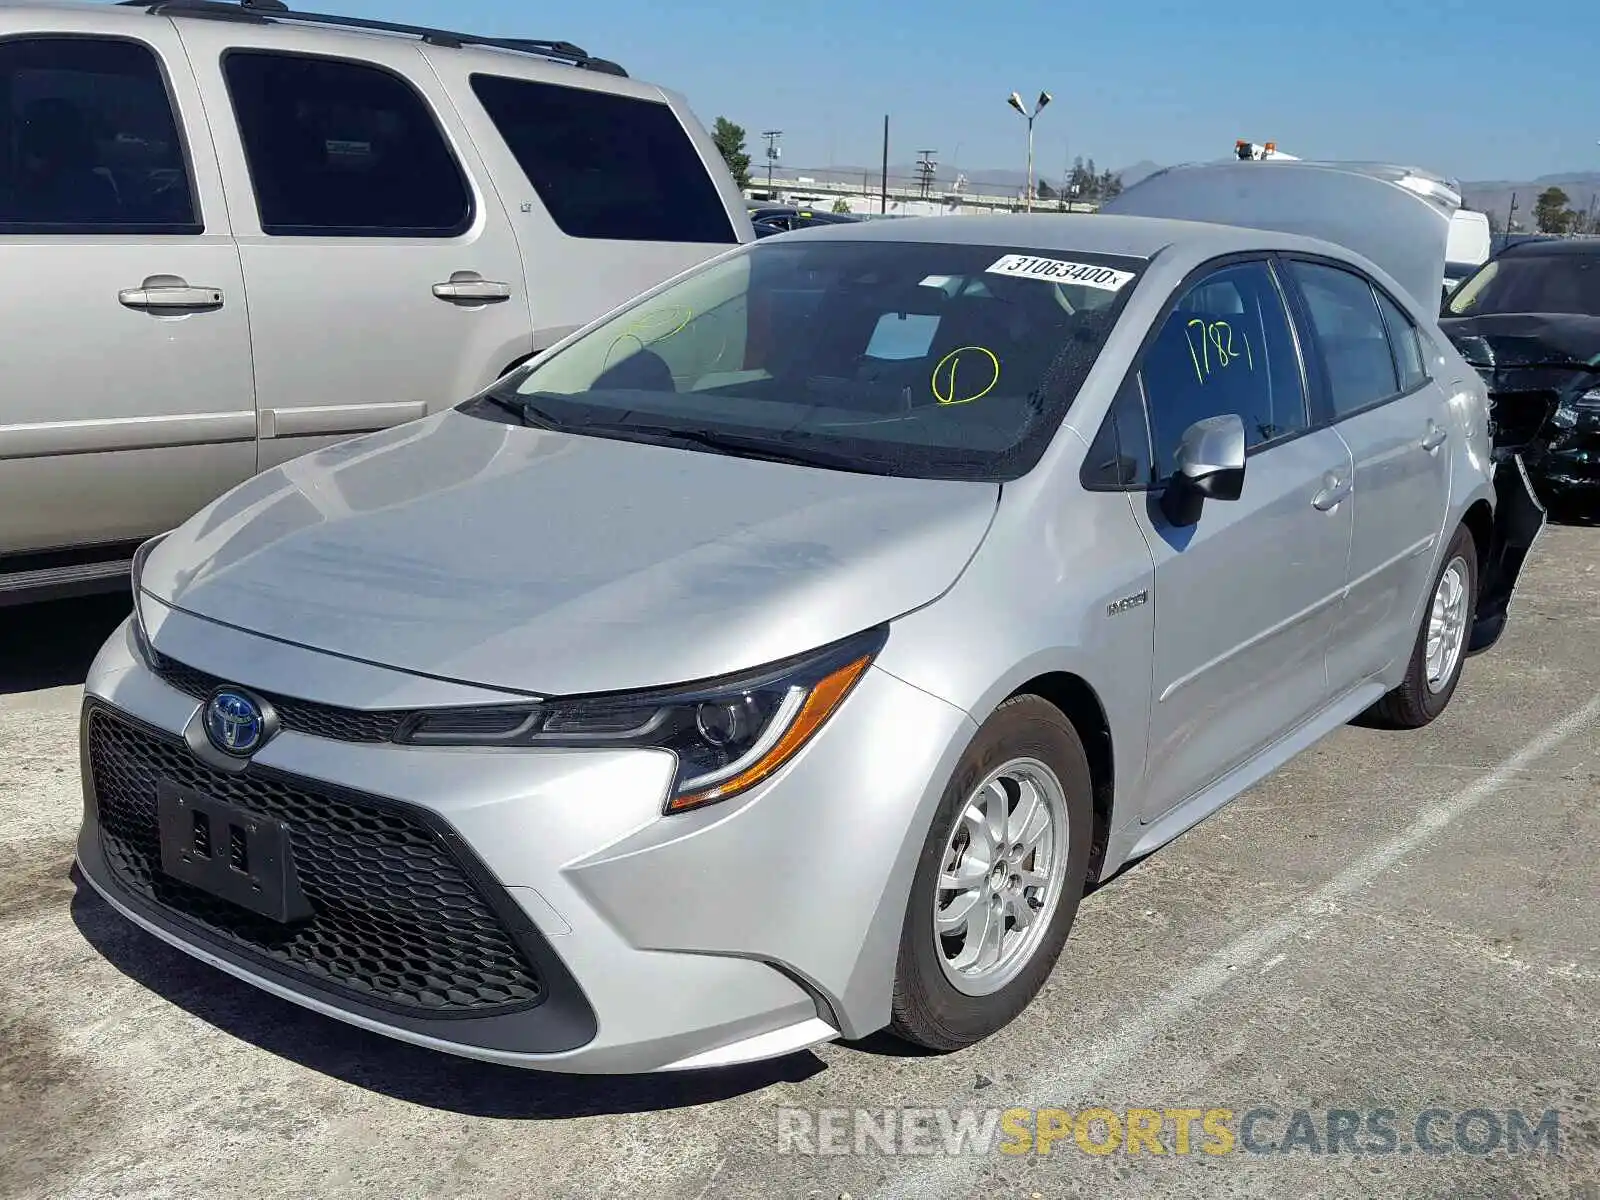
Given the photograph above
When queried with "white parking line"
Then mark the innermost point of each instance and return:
(1090, 1063)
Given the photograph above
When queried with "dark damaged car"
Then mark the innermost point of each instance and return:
(1529, 321)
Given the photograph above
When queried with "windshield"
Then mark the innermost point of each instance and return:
(1532, 283)
(899, 358)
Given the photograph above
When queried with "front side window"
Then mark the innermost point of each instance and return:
(892, 357)
(343, 149)
(90, 142)
(1350, 335)
(1226, 348)
(1531, 283)
(606, 166)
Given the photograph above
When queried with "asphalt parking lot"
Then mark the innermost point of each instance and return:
(1407, 922)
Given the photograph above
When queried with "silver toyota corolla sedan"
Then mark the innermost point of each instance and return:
(778, 658)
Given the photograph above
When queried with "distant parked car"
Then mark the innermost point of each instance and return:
(781, 219)
(1529, 321)
(237, 233)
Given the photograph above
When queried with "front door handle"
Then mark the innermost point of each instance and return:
(166, 296)
(471, 290)
(1435, 437)
(1335, 489)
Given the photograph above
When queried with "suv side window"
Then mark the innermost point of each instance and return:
(606, 166)
(343, 149)
(1226, 348)
(1350, 335)
(90, 143)
(1403, 336)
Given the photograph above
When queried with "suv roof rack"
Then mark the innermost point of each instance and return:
(266, 11)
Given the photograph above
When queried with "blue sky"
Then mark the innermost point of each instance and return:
(1479, 89)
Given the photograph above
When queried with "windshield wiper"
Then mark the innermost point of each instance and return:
(739, 446)
(529, 413)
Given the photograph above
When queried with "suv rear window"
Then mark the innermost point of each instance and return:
(343, 149)
(606, 166)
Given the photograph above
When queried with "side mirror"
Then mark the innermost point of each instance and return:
(1210, 466)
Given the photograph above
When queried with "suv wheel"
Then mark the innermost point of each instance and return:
(999, 880)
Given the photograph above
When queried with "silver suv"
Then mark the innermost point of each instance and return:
(237, 233)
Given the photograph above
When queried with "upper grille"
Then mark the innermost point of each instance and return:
(302, 716)
(1516, 418)
(398, 919)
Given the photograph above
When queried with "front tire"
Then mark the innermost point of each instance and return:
(1441, 646)
(999, 880)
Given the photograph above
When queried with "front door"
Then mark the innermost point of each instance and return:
(1245, 599)
(1397, 424)
(384, 277)
(125, 389)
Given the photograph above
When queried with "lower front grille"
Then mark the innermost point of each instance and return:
(1517, 418)
(399, 919)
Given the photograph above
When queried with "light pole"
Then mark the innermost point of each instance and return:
(1016, 102)
(772, 136)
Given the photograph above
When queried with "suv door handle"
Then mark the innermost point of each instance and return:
(1335, 489)
(1435, 437)
(472, 291)
(170, 296)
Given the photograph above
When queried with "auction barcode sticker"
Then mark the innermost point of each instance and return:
(1055, 270)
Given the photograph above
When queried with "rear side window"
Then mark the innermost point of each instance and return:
(1350, 334)
(606, 166)
(1407, 349)
(343, 149)
(90, 143)
(1226, 348)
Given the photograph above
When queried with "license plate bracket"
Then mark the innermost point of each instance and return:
(234, 854)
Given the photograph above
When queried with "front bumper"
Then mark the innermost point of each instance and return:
(746, 930)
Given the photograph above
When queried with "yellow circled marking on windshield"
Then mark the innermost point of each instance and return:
(988, 364)
(642, 330)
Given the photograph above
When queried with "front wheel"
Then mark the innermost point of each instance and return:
(1440, 650)
(999, 880)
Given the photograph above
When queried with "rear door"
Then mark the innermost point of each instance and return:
(1375, 388)
(611, 191)
(125, 387)
(384, 277)
(1245, 600)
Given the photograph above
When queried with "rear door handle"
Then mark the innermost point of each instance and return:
(1334, 490)
(472, 291)
(170, 296)
(1435, 437)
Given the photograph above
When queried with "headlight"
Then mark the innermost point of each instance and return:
(727, 735)
(141, 636)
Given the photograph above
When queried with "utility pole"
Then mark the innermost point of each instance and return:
(773, 151)
(1511, 215)
(883, 195)
(925, 168)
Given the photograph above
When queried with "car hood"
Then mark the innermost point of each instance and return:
(547, 563)
(1526, 339)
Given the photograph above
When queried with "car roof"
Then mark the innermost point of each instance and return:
(1081, 233)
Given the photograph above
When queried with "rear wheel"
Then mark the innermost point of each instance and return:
(999, 880)
(1440, 650)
